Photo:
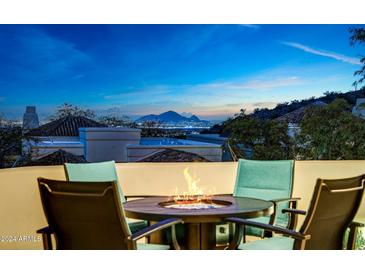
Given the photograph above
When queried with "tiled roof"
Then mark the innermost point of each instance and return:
(66, 126)
(172, 155)
(58, 157)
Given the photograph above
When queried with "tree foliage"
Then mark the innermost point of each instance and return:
(114, 121)
(67, 109)
(326, 132)
(10, 142)
(358, 37)
(331, 133)
(259, 139)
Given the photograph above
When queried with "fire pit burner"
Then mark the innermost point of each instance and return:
(195, 204)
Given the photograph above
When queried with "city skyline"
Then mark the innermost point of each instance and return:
(211, 71)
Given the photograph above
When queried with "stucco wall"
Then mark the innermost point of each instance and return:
(21, 210)
(108, 143)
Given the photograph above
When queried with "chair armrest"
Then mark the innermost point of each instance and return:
(45, 230)
(154, 228)
(285, 200)
(281, 230)
(294, 211)
(46, 237)
(292, 223)
(357, 224)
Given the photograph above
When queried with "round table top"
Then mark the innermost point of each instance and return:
(150, 209)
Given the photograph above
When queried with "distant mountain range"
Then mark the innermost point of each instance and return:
(173, 118)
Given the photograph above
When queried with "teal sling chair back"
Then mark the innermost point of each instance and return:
(267, 180)
(100, 172)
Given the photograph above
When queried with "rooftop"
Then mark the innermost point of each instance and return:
(65, 126)
(173, 155)
(58, 157)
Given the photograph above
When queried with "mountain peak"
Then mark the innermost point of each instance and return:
(194, 118)
(169, 117)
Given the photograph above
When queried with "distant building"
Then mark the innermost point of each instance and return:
(294, 117)
(208, 138)
(63, 128)
(214, 139)
(62, 134)
(30, 118)
(96, 142)
(359, 108)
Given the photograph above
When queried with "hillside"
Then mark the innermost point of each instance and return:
(285, 108)
(294, 111)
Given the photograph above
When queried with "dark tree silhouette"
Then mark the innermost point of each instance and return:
(69, 109)
(358, 37)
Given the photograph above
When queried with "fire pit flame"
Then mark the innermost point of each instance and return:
(194, 198)
(195, 194)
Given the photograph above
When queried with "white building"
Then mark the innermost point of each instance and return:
(359, 108)
(97, 142)
(59, 134)
(30, 118)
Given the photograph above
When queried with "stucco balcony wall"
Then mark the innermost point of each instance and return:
(21, 211)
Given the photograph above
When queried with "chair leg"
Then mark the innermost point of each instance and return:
(238, 236)
(47, 241)
(351, 241)
(174, 239)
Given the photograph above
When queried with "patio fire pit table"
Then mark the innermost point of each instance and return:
(199, 217)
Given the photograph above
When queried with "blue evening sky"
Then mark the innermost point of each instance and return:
(209, 70)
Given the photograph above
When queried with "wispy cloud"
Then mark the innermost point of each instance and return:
(156, 90)
(210, 100)
(207, 91)
(255, 84)
(325, 53)
(250, 26)
(229, 110)
(40, 55)
(186, 44)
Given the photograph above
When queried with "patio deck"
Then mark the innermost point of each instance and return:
(21, 209)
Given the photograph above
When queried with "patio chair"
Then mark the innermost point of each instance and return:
(90, 216)
(331, 212)
(267, 180)
(101, 172)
